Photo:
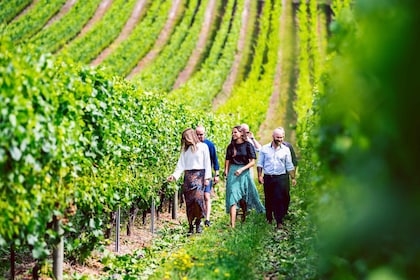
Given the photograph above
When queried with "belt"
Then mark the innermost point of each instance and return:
(274, 176)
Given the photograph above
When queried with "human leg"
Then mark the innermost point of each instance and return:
(232, 215)
(285, 198)
(268, 197)
(198, 228)
(252, 197)
(235, 191)
(281, 195)
(207, 199)
(190, 224)
(193, 189)
(242, 204)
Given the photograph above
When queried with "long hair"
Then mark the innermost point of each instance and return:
(243, 137)
(189, 138)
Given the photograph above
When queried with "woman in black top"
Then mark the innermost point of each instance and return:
(240, 187)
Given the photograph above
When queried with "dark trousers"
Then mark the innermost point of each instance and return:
(277, 197)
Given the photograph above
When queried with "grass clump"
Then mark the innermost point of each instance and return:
(219, 253)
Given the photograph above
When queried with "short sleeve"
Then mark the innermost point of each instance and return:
(251, 151)
(229, 152)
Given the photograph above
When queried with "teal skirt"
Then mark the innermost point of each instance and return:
(242, 187)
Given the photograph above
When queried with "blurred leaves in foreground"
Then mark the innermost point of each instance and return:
(369, 209)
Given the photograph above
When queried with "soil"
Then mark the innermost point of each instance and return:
(125, 32)
(201, 44)
(25, 10)
(273, 118)
(161, 40)
(141, 237)
(230, 81)
(62, 12)
(100, 11)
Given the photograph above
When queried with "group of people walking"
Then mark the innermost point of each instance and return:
(276, 166)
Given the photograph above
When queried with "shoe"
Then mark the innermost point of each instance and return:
(191, 230)
(207, 223)
(198, 229)
(279, 226)
(270, 222)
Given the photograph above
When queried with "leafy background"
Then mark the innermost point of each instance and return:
(76, 142)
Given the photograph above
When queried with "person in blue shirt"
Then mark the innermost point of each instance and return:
(201, 133)
(275, 161)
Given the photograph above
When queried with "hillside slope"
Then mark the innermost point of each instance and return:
(86, 46)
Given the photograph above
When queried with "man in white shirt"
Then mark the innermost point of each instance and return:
(275, 161)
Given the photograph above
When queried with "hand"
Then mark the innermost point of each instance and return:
(206, 182)
(171, 178)
(216, 180)
(261, 179)
(238, 172)
(294, 182)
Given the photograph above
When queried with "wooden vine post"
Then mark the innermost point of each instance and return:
(175, 205)
(58, 252)
(12, 261)
(152, 218)
(117, 229)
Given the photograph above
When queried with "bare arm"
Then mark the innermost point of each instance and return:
(260, 175)
(289, 166)
(254, 141)
(292, 174)
(250, 164)
(226, 168)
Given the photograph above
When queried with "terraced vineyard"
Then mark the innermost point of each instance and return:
(94, 96)
(201, 49)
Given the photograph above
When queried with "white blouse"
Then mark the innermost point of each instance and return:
(188, 160)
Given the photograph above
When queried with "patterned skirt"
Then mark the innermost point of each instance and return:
(193, 190)
(242, 187)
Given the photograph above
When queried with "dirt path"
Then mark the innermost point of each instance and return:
(162, 39)
(66, 7)
(24, 11)
(137, 13)
(201, 44)
(230, 81)
(141, 237)
(102, 8)
(273, 117)
(228, 85)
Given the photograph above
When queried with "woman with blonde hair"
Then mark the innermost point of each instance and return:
(240, 187)
(194, 161)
